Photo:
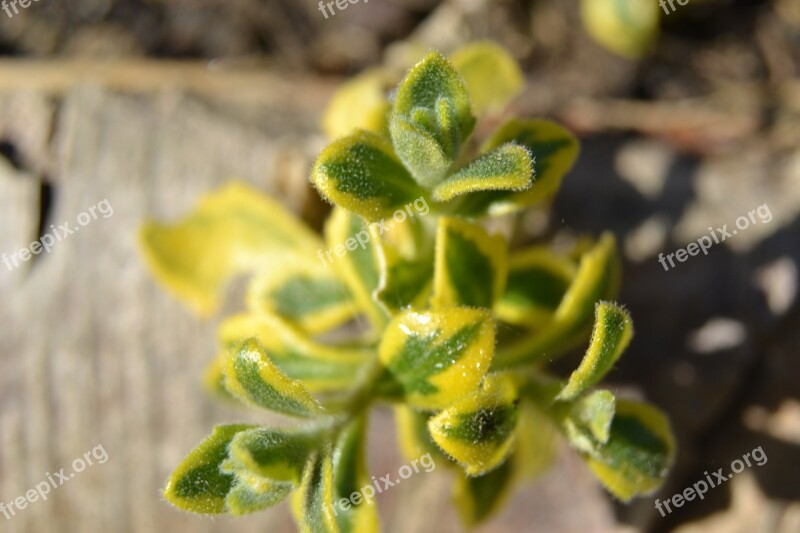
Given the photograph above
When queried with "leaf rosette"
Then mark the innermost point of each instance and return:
(435, 314)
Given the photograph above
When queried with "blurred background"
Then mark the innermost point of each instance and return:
(148, 104)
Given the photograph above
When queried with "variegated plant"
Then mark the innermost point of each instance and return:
(431, 314)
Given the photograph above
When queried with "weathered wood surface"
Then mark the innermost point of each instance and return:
(94, 353)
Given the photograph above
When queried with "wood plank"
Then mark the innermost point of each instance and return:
(94, 352)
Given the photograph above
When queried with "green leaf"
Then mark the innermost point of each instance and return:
(413, 437)
(466, 253)
(267, 466)
(628, 445)
(360, 515)
(509, 168)
(477, 498)
(626, 27)
(587, 424)
(492, 75)
(536, 284)
(359, 104)
(231, 231)
(406, 256)
(639, 451)
(420, 151)
(306, 293)
(358, 266)
(537, 442)
(251, 493)
(431, 119)
(597, 279)
(435, 357)
(320, 368)
(275, 454)
(255, 380)
(612, 333)
(312, 503)
(361, 173)
(198, 485)
(479, 430)
(554, 151)
(407, 282)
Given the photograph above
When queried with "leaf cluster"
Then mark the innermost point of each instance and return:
(434, 315)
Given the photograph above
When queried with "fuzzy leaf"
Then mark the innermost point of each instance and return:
(304, 292)
(406, 282)
(312, 503)
(406, 256)
(466, 253)
(413, 436)
(267, 465)
(612, 333)
(597, 279)
(251, 493)
(626, 27)
(361, 173)
(214, 378)
(233, 230)
(554, 151)
(198, 485)
(588, 421)
(431, 119)
(477, 498)
(537, 281)
(420, 151)
(320, 368)
(435, 357)
(358, 266)
(479, 430)
(350, 475)
(275, 454)
(492, 76)
(638, 453)
(509, 168)
(359, 104)
(255, 380)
